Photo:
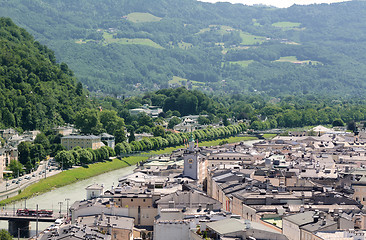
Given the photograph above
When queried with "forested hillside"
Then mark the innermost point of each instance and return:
(124, 47)
(35, 92)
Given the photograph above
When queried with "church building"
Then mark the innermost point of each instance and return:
(195, 164)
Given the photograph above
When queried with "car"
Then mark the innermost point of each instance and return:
(20, 179)
(17, 182)
(33, 175)
(27, 177)
(13, 181)
(7, 184)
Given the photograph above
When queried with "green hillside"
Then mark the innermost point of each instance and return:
(124, 47)
(35, 92)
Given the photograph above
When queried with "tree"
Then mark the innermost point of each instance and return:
(120, 135)
(24, 152)
(338, 123)
(65, 159)
(87, 120)
(16, 167)
(351, 125)
(43, 140)
(131, 137)
(111, 122)
(37, 153)
(173, 121)
(225, 122)
(5, 235)
(158, 131)
(119, 149)
(144, 120)
(203, 120)
(85, 156)
(111, 152)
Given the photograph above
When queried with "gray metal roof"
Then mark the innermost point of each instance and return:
(301, 218)
(81, 137)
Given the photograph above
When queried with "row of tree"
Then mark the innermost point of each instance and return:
(79, 156)
(174, 139)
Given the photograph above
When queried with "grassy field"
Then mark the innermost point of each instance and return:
(249, 39)
(183, 81)
(286, 24)
(293, 59)
(255, 23)
(242, 63)
(178, 80)
(269, 135)
(70, 176)
(138, 17)
(108, 39)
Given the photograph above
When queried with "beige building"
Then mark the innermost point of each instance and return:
(119, 228)
(140, 205)
(83, 141)
(230, 158)
(6, 155)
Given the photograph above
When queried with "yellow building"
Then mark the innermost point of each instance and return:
(83, 141)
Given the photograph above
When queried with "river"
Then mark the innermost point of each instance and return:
(74, 192)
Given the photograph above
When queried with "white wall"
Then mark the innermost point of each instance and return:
(171, 231)
(290, 230)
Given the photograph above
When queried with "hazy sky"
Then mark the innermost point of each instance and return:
(277, 3)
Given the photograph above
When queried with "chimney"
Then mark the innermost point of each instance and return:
(315, 218)
(209, 207)
(302, 209)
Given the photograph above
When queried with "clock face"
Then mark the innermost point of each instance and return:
(190, 161)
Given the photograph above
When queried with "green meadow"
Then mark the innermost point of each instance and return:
(138, 17)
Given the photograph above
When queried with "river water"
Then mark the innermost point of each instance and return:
(75, 192)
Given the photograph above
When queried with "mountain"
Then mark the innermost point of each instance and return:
(124, 47)
(35, 91)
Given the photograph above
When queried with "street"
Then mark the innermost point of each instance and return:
(45, 169)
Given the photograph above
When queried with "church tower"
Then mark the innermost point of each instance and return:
(191, 163)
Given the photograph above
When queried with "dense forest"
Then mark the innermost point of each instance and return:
(35, 91)
(125, 47)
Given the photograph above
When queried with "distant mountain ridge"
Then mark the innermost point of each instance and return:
(123, 47)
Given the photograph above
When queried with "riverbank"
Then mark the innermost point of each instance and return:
(73, 175)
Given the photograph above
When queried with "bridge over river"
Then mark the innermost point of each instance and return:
(21, 224)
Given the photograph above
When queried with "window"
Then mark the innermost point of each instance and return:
(131, 200)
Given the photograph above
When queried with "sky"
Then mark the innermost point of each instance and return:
(276, 3)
